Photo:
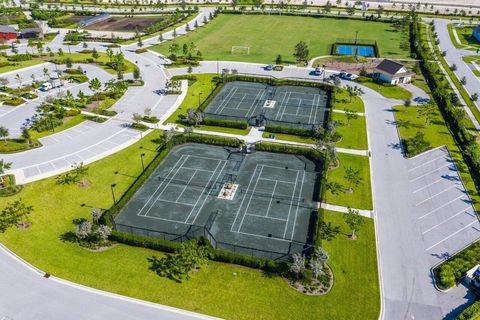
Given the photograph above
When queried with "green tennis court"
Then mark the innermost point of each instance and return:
(261, 104)
(260, 204)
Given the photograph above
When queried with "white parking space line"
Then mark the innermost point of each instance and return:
(436, 195)
(425, 163)
(448, 219)
(428, 185)
(443, 205)
(428, 173)
(451, 235)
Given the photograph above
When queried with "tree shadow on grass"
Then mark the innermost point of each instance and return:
(70, 236)
(164, 269)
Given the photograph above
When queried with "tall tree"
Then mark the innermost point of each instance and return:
(4, 134)
(301, 52)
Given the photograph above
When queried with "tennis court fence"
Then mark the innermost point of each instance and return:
(196, 232)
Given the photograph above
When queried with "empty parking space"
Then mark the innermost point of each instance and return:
(442, 207)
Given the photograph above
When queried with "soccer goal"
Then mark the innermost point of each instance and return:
(240, 50)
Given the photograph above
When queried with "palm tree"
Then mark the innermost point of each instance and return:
(19, 80)
(4, 134)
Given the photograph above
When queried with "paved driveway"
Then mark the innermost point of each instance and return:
(442, 209)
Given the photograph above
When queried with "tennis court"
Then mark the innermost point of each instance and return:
(270, 210)
(261, 104)
(351, 50)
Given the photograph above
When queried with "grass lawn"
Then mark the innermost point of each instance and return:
(354, 135)
(392, 92)
(361, 197)
(289, 137)
(73, 121)
(202, 86)
(17, 145)
(342, 102)
(14, 65)
(79, 57)
(466, 38)
(214, 290)
(280, 34)
(437, 134)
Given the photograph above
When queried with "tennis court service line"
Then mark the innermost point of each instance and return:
(182, 157)
(226, 99)
(243, 199)
(291, 203)
(296, 211)
(203, 191)
(251, 197)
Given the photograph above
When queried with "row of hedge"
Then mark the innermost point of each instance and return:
(213, 254)
(225, 123)
(470, 313)
(289, 130)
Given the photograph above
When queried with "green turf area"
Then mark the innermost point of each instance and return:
(280, 34)
(17, 64)
(73, 121)
(389, 91)
(79, 57)
(361, 197)
(466, 38)
(223, 290)
(343, 102)
(437, 134)
(354, 134)
(289, 137)
(18, 145)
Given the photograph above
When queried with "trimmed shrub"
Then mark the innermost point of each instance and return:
(448, 273)
(225, 123)
(470, 313)
(289, 130)
(143, 241)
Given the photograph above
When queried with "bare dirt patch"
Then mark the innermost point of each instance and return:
(125, 24)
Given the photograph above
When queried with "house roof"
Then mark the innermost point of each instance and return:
(7, 29)
(389, 67)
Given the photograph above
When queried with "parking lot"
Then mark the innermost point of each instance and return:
(443, 209)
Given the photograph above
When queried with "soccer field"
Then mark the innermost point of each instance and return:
(268, 36)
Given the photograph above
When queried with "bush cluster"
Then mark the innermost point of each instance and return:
(470, 313)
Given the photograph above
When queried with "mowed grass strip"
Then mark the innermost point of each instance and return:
(222, 290)
(267, 36)
(354, 132)
(361, 197)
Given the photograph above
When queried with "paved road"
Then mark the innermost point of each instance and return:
(454, 56)
(27, 295)
(404, 192)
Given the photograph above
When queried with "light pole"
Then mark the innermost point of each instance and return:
(113, 185)
(141, 158)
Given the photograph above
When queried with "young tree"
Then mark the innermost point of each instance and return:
(353, 177)
(83, 230)
(96, 215)
(335, 188)
(3, 167)
(95, 54)
(15, 213)
(137, 117)
(463, 81)
(354, 221)
(4, 82)
(278, 59)
(168, 135)
(4, 134)
(416, 144)
(427, 111)
(301, 52)
(26, 136)
(95, 85)
(350, 115)
(474, 97)
(136, 73)
(19, 80)
(328, 231)
(298, 265)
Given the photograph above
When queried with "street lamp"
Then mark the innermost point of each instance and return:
(113, 185)
(141, 158)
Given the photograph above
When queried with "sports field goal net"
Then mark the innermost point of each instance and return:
(240, 50)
